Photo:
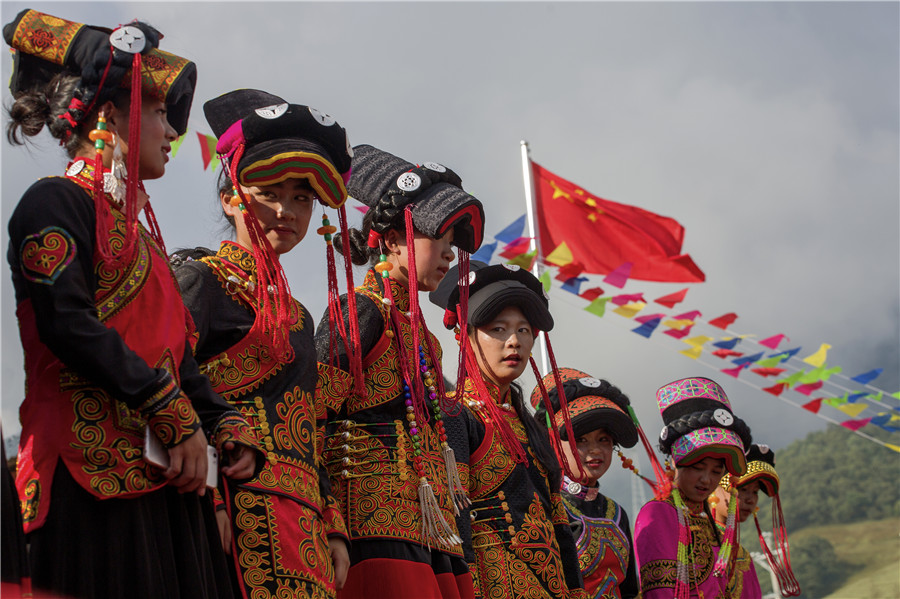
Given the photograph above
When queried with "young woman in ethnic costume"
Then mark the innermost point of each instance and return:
(600, 419)
(282, 528)
(760, 476)
(680, 551)
(516, 533)
(106, 337)
(392, 469)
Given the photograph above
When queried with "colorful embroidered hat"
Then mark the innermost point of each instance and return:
(760, 468)
(699, 423)
(491, 289)
(104, 59)
(387, 184)
(281, 141)
(591, 403)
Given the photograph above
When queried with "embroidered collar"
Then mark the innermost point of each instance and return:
(580, 491)
(81, 171)
(238, 256)
(373, 282)
(476, 403)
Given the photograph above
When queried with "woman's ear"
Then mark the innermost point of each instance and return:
(113, 116)
(227, 208)
(391, 239)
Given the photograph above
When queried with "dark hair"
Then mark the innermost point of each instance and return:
(224, 185)
(360, 252)
(697, 420)
(538, 438)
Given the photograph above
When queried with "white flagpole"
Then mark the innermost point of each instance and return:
(533, 233)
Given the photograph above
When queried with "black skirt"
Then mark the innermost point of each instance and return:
(161, 544)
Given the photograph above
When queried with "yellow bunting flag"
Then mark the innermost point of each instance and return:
(678, 324)
(561, 256)
(818, 359)
(894, 447)
(630, 309)
(524, 261)
(853, 409)
(692, 353)
(698, 341)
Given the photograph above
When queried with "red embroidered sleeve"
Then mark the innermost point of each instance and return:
(334, 520)
(170, 414)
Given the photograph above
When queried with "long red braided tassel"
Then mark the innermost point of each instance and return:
(555, 439)
(563, 406)
(354, 349)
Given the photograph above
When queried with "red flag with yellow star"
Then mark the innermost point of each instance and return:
(602, 235)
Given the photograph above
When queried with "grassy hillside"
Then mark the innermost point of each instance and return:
(872, 548)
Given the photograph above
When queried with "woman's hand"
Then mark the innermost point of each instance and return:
(224, 524)
(341, 560)
(188, 464)
(241, 460)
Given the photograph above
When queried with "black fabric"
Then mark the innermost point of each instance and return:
(438, 201)
(13, 555)
(295, 129)
(756, 454)
(492, 289)
(615, 423)
(162, 544)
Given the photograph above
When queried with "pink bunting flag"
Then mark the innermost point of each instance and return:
(734, 371)
(808, 388)
(591, 294)
(648, 317)
(619, 276)
(516, 248)
(776, 390)
(773, 341)
(724, 321)
(726, 353)
(621, 300)
(692, 315)
(670, 300)
(813, 406)
(679, 333)
(855, 425)
(362, 209)
(768, 371)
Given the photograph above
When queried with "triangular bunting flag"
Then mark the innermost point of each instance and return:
(648, 317)
(629, 310)
(561, 256)
(855, 425)
(773, 341)
(692, 353)
(177, 144)
(734, 371)
(792, 379)
(724, 321)
(813, 406)
(516, 248)
(726, 353)
(647, 328)
(569, 270)
(808, 388)
(574, 284)
(867, 377)
(525, 261)
(836, 401)
(591, 294)
(855, 397)
(853, 409)
(621, 300)
(365, 209)
(679, 333)
(747, 360)
(728, 343)
(692, 315)
(670, 300)
(698, 341)
(484, 253)
(208, 151)
(678, 324)
(775, 390)
(768, 362)
(512, 232)
(598, 306)
(767, 371)
(818, 358)
(619, 276)
(545, 280)
(786, 354)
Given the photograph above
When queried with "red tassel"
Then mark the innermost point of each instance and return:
(275, 315)
(462, 313)
(563, 406)
(555, 439)
(354, 351)
(414, 310)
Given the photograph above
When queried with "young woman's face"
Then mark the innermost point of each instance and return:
(595, 449)
(748, 498)
(502, 347)
(698, 481)
(433, 258)
(157, 136)
(283, 211)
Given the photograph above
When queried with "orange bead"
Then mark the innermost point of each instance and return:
(235, 201)
(96, 134)
(326, 230)
(384, 266)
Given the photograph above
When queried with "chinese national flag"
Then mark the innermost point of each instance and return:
(603, 235)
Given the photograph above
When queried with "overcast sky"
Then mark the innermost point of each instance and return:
(769, 130)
